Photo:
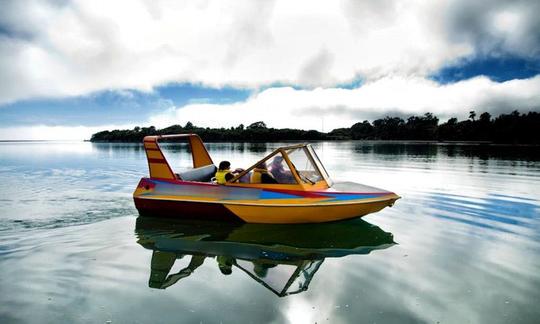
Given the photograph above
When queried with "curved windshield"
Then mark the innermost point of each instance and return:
(304, 165)
(319, 165)
(282, 167)
(278, 168)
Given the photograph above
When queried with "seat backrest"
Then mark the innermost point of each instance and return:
(202, 174)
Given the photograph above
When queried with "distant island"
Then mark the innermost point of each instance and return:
(515, 128)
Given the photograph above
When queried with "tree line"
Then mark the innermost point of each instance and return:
(505, 128)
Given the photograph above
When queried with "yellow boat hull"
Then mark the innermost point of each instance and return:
(255, 205)
(307, 214)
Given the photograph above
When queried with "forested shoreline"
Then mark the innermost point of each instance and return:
(513, 128)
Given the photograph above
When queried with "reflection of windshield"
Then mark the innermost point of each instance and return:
(304, 165)
(282, 279)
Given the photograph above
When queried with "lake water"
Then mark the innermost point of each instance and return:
(461, 246)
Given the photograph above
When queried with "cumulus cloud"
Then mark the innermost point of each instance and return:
(328, 108)
(335, 107)
(53, 48)
(496, 27)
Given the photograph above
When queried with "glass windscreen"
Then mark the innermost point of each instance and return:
(304, 165)
(319, 164)
(278, 168)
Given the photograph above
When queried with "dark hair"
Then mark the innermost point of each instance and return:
(226, 269)
(223, 165)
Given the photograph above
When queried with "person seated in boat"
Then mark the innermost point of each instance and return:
(261, 175)
(225, 264)
(246, 178)
(224, 173)
(278, 171)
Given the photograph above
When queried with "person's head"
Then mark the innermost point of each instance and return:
(225, 269)
(277, 160)
(224, 165)
(261, 165)
(225, 264)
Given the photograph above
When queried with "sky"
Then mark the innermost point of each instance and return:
(69, 68)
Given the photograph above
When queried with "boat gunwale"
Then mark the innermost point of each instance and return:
(388, 197)
(330, 190)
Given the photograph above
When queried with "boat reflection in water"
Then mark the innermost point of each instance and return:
(282, 258)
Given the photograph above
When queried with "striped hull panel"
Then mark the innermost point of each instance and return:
(182, 199)
(276, 214)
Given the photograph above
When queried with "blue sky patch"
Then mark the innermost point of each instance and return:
(496, 68)
(113, 107)
(353, 84)
(182, 94)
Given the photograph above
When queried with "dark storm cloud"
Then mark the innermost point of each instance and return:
(17, 19)
(482, 24)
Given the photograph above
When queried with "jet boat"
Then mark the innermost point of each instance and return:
(302, 192)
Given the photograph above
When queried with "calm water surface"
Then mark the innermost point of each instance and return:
(462, 246)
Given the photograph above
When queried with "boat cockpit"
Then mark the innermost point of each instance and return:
(295, 167)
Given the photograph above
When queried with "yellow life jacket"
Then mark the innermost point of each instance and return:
(256, 176)
(220, 176)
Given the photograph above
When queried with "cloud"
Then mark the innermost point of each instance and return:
(328, 108)
(72, 48)
(496, 27)
(316, 70)
(335, 107)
